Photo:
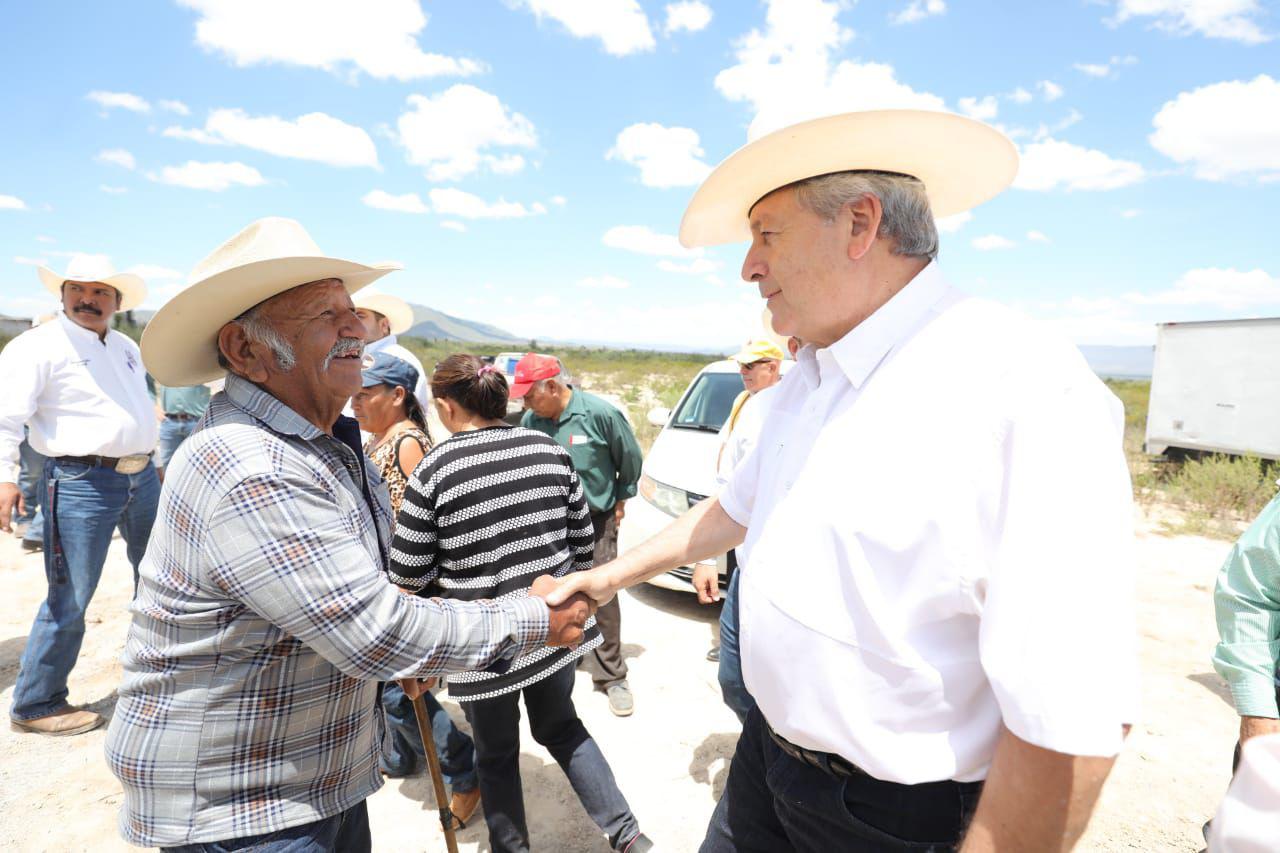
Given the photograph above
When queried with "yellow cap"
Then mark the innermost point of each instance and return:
(757, 349)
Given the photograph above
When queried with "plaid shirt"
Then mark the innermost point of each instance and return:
(263, 622)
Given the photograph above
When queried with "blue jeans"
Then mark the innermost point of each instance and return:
(732, 687)
(85, 504)
(495, 724)
(773, 803)
(345, 832)
(32, 484)
(173, 431)
(402, 750)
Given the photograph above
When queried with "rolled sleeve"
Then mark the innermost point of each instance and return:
(1247, 605)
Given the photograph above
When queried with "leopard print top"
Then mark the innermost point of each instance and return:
(387, 457)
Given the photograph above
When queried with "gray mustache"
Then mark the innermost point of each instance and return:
(344, 346)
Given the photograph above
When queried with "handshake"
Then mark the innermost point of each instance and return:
(569, 610)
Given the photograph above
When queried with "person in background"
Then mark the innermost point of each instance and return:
(30, 524)
(759, 364)
(608, 459)
(179, 409)
(81, 388)
(486, 512)
(385, 317)
(387, 409)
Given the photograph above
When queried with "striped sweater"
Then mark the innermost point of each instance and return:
(484, 514)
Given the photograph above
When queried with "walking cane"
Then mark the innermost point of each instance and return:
(447, 820)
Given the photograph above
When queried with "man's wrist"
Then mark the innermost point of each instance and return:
(531, 623)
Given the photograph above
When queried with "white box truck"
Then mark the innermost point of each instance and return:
(1216, 387)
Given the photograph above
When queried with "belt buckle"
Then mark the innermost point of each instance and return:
(133, 463)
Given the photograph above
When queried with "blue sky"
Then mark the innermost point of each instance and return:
(528, 161)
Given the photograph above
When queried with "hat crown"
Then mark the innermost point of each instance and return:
(266, 239)
(86, 267)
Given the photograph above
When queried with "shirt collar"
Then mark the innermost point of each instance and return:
(575, 406)
(74, 328)
(380, 344)
(860, 351)
(276, 415)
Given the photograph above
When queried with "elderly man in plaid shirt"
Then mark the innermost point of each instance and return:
(247, 716)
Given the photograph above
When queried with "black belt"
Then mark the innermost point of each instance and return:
(179, 416)
(827, 762)
(100, 461)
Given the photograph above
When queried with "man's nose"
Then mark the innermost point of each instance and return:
(753, 266)
(352, 326)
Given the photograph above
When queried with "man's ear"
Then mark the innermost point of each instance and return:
(247, 359)
(864, 217)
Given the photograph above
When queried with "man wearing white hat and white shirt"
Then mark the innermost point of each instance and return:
(264, 618)
(935, 663)
(81, 388)
(385, 317)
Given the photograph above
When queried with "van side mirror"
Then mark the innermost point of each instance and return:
(659, 416)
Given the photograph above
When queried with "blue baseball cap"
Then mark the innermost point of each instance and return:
(388, 370)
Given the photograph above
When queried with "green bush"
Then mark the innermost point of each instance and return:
(1224, 487)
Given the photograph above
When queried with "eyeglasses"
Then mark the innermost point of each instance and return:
(753, 365)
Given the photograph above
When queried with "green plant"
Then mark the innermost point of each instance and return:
(1224, 487)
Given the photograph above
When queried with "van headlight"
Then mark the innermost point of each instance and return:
(669, 499)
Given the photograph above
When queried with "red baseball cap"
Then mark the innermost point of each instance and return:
(530, 369)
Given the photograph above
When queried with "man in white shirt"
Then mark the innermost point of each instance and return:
(82, 389)
(384, 317)
(934, 662)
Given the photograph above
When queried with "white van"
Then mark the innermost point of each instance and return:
(680, 469)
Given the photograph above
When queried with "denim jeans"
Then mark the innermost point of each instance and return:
(85, 504)
(774, 803)
(32, 484)
(345, 832)
(173, 431)
(402, 751)
(495, 725)
(732, 687)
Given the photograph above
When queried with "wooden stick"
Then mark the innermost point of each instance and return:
(447, 820)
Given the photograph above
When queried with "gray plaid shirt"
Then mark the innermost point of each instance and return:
(263, 622)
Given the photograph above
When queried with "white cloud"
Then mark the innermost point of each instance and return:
(119, 100)
(192, 134)
(214, 176)
(1020, 96)
(918, 10)
(1224, 130)
(621, 25)
(953, 223)
(1050, 90)
(559, 200)
(451, 133)
(1092, 70)
(30, 262)
(110, 190)
(453, 225)
(378, 37)
(407, 203)
(666, 156)
(314, 136)
(174, 107)
(117, 157)
(155, 272)
(1053, 164)
(1233, 20)
(1229, 289)
(455, 202)
(605, 282)
(689, 16)
(1038, 237)
(697, 266)
(785, 71)
(43, 238)
(1130, 213)
(983, 109)
(643, 240)
(12, 202)
(992, 242)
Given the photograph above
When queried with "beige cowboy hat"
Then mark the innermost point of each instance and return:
(270, 256)
(961, 162)
(86, 268)
(395, 309)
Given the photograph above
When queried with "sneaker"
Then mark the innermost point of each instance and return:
(639, 844)
(463, 805)
(714, 654)
(620, 701)
(68, 721)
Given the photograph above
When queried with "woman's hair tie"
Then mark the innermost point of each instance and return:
(488, 368)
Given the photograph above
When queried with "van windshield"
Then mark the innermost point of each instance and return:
(707, 405)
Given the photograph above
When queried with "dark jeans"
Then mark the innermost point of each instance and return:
(85, 506)
(346, 832)
(774, 803)
(31, 479)
(605, 663)
(495, 725)
(732, 687)
(402, 750)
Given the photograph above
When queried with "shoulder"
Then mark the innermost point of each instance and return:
(233, 446)
(33, 340)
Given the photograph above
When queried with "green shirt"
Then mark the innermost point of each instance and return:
(600, 443)
(192, 400)
(1247, 601)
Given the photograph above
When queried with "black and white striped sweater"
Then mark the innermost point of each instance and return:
(484, 514)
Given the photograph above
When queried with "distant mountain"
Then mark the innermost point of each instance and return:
(1120, 362)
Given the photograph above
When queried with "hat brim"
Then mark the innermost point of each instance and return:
(133, 290)
(180, 344)
(398, 313)
(519, 389)
(962, 163)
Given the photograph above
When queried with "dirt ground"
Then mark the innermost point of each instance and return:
(671, 757)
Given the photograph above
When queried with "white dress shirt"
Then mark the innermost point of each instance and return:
(939, 521)
(737, 441)
(80, 395)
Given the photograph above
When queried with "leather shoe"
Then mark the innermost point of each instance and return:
(69, 721)
(463, 805)
(32, 545)
(620, 701)
(714, 655)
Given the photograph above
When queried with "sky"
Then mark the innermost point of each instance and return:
(528, 161)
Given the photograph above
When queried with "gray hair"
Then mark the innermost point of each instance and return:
(259, 331)
(906, 217)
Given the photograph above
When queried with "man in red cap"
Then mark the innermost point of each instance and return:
(608, 459)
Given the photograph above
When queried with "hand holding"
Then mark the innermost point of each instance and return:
(568, 617)
(415, 687)
(593, 583)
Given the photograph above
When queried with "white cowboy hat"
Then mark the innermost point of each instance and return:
(270, 256)
(86, 268)
(395, 309)
(961, 162)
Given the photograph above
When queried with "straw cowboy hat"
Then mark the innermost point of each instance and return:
(86, 268)
(961, 162)
(270, 256)
(395, 309)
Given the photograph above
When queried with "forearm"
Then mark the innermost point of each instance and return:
(704, 531)
(1035, 799)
